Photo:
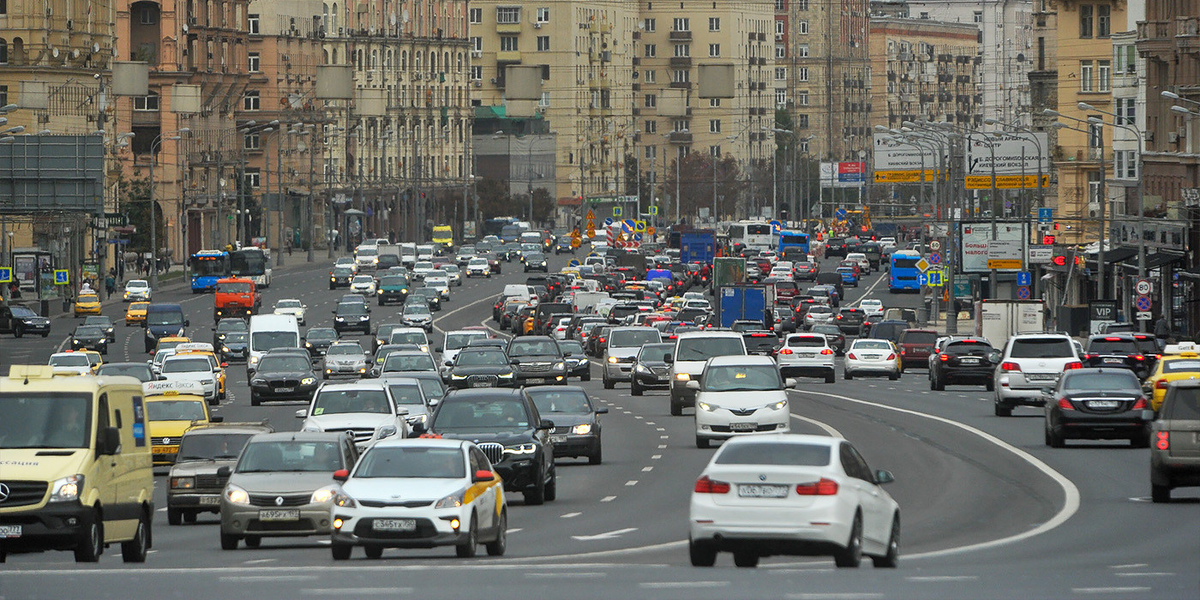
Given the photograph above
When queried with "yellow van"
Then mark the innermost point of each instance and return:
(75, 463)
(173, 407)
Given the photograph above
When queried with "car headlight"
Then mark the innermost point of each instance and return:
(254, 360)
(207, 382)
(782, 404)
(508, 375)
(417, 419)
(312, 428)
(66, 489)
(454, 500)
(339, 319)
(324, 494)
(558, 366)
(363, 317)
(682, 376)
(612, 359)
(641, 369)
(455, 377)
(258, 382)
(236, 495)
(344, 501)
(183, 483)
(404, 290)
(706, 406)
(521, 449)
(582, 429)
(333, 279)
(308, 381)
(424, 348)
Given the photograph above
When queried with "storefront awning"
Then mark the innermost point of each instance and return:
(1154, 260)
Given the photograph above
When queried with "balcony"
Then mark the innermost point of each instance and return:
(1154, 39)
(513, 56)
(1187, 33)
(681, 36)
(508, 28)
(680, 137)
(681, 85)
(681, 62)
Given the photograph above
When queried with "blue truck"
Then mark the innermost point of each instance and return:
(744, 302)
(697, 245)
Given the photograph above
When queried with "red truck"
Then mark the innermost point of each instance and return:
(236, 297)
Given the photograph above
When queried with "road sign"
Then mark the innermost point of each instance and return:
(841, 213)
(1143, 303)
(935, 277)
(637, 237)
(1045, 215)
(922, 280)
(5, 274)
(935, 245)
(591, 215)
(912, 176)
(650, 230)
(1024, 278)
(591, 232)
(1041, 254)
(608, 221)
(1143, 288)
(639, 227)
(1004, 254)
(923, 265)
(616, 211)
(1023, 292)
(574, 262)
(575, 242)
(1144, 316)
(654, 211)
(61, 277)
(935, 259)
(575, 232)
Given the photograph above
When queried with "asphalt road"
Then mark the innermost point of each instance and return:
(988, 511)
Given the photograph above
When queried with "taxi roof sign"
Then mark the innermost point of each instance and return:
(1181, 347)
(194, 347)
(172, 388)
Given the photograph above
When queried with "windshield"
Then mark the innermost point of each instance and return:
(186, 365)
(89, 298)
(811, 341)
(225, 446)
(351, 309)
(967, 349)
(164, 317)
(704, 348)
(496, 413)
(236, 337)
(248, 262)
(409, 362)
(364, 279)
(140, 372)
(336, 402)
(438, 463)
(571, 347)
(284, 364)
(98, 321)
(1042, 348)
(827, 329)
(475, 358)
(454, 341)
(342, 271)
(533, 348)
(45, 420)
(352, 349)
(655, 352)
(632, 338)
(367, 251)
(137, 284)
(394, 281)
(268, 340)
(1118, 346)
(919, 337)
(291, 456)
(741, 378)
(231, 325)
(288, 304)
(322, 334)
(1117, 381)
(574, 402)
(237, 287)
(406, 394)
(1181, 403)
(774, 453)
(88, 331)
(408, 337)
(905, 262)
(434, 388)
(175, 410)
(416, 309)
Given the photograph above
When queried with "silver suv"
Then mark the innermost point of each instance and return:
(1031, 362)
(623, 346)
(1175, 440)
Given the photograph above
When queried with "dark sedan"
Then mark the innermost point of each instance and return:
(761, 342)
(1097, 404)
(284, 374)
(850, 320)
(576, 421)
(20, 320)
(318, 339)
(537, 359)
(578, 364)
(89, 337)
(480, 368)
(104, 323)
(651, 369)
(1120, 350)
(350, 316)
(340, 277)
(137, 370)
(832, 333)
(235, 347)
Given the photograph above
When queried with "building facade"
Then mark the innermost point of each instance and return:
(924, 69)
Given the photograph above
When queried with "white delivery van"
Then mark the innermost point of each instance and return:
(268, 332)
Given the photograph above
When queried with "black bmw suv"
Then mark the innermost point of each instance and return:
(283, 374)
(508, 428)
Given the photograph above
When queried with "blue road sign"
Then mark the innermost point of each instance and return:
(637, 237)
(841, 213)
(1143, 303)
(935, 259)
(1045, 215)
(608, 221)
(5, 274)
(1023, 292)
(922, 279)
(654, 211)
(616, 211)
(1024, 278)
(935, 277)
(574, 262)
(61, 277)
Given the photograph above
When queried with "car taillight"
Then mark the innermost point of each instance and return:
(1065, 404)
(1138, 357)
(1073, 365)
(786, 351)
(1140, 404)
(1089, 356)
(944, 357)
(839, 317)
(1010, 366)
(1161, 384)
(601, 340)
(903, 352)
(704, 485)
(1164, 440)
(827, 351)
(824, 487)
(891, 356)
(851, 356)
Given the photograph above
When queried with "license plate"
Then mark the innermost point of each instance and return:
(558, 439)
(535, 380)
(871, 357)
(285, 389)
(763, 491)
(10, 531)
(481, 384)
(1041, 376)
(969, 361)
(210, 500)
(1113, 361)
(164, 450)
(743, 426)
(394, 525)
(1103, 404)
(278, 515)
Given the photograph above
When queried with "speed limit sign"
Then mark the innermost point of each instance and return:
(1143, 287)
(935, 245)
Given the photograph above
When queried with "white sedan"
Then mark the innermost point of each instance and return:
(792, 494)
(450, 496)
(871, 306)
(479, 267)
(872, 357)
(740, 395)
(363, 284)
(291, 307)
(137, 289)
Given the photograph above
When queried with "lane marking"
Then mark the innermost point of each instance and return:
(570, 515)
(1130, 566)
(940, 578)
(647, 469)
(631, 482)
(1108, 590)
(833, 433)
(356, 591)
(1070, 492)
(1146, 574)
(268, 578)
(831, 596)
(656, 457)
(677, 585)
(608, 498)
(579, 575)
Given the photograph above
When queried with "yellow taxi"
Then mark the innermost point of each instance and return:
(170, 342)
(1173, 366)
(87, 304)
(206, 349)
(172, 408)
(135, 313)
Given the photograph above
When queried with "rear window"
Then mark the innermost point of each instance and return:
(1183, 403)
(705, 348)
(814, 341)
(1114, 381)
(1181, 366)
(1042, 348)
(919, 337)
(775, 453)
(967, 349)
(1102, 346)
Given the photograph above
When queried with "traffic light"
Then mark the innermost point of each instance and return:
(1057, 226)
(1060, 261)
(1047, 240)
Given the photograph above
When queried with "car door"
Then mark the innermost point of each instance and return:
(876, 530)
(485, 501)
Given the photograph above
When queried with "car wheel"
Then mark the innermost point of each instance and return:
(18, 331)
(893, 376)
(174, 516)
(537, 495)
(373, 551)
(745, 559)
(990, 386)
(609, 384)
(596, 457)
(1141, 439)
(552, 487)
(90, 544)
(847, 374)
(1002, 411)
(701, 443)
(892, 559)
(587, 375)
(1160, 493)
(254, 401)
(340, 551)
(253, 541)
(1057, 439)
(190, 517)
(703, 554)
(468, 547)
(47, 334)
(851, 556)
(498, 546)
(634, 388)
(134, 551)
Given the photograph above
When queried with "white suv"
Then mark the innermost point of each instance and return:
(1031, 362)
(806, 355)
(692, 349)
(366, 409)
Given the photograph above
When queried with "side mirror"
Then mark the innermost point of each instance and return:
(418, 428)
(882, 477)
(546, 424)
(667, 358)
(1149, 414)
(402, 412)
(333, 311)
(224, 364)
(483, 476)
(514, 362)
(602, 411)
(692, 384)
(449, 363)
(224, 472)
(341, 475)
(109, 441)
(216, 419)
(439, 349)
(302, 413)
(789, 382)
(212, 328)
(187, 323)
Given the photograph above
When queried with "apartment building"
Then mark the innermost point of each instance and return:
(1043, 83)
(924, 69)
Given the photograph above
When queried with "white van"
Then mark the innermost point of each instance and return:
(517, 290)
(268, 332)
(408, 254)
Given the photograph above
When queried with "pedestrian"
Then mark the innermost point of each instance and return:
(288, 245)
(1162, 330)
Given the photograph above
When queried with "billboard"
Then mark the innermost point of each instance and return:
(1012, 156)
(843, 174)
(975, 237)
(900, 162)
(41, 173)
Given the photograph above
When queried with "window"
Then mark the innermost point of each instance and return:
(714, 23)
(802, 73)
(714, 151)
(1093, 186)
(544, 100)
(1104, 75)
(680, 125)
(250, 101)
(651, 101)
(681, 76)
(714, 50)
(651, 154)
(714, 103)
(714, 126)
(543, 14)
(651, 127)
(476, 72)
(650, 24)
(802, 27)
(147, 15)
(3, 7)
(252, 141)
(1103, 21)
(683, 50)
(780, 51)
(650, 77)
(803, 145)
(3, 95)
(253, 178)
(508, 43)
(3, 52)
(1085, 20)
(508, 14)
(1086, 80)
(1126, 59)
(780, 73)
(1095, 134)
(802, 52)
(681, 24)
(780, 97)
(978, 17)
(1126, 111)
(476, 16)
(802, 121)
(801, 4)
(651, 50)
(543, 43)
(146, 103)
(477, 44)
(1125, 164)
(253, 21)
(255, 63)
(802, 98)
(780, 5)
(780, 29)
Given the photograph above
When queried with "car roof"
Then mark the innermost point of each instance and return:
(787, 438)
(737, 359)
(484, 394)
(361, 384)
(688, 335)
(299, 436)
(223, 428)
(421, 442)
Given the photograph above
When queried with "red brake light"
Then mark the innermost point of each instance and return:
(827, 351)
(1073, 365)
(1112, 339)
(1010, 366)
(1161, 384)
(704, 485)
(1138, 357)
(944, 357)
(1140, 404)
(1065, 404)
(891, 356)
(851, 356)
(1164, 440)
(1089, 356)
(824, 487)
(786, 351)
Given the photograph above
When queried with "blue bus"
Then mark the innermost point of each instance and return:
(207, 267)
(797, 240)
(905, 276)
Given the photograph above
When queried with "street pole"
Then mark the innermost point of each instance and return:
(993, 277)
(312, 198)
(279, 196)
(153, 221)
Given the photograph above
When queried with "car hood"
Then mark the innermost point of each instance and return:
(89, 338)
(508, 437)
(741, 399)
(344, 360)
(482, 370)
(627, 352)
(289, 311)
(537, 358)
(282, 482)
(402, 489)
(191, 468)
(36, 320)
(274, 375)
(350, 420)
(568, 420)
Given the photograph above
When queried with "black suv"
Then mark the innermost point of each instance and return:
(318, 339)
(480, 368)
(651, 369)
(836, 247)
(507, 427)
(283, 374)
(850, 320)
(1175, 447)
(19, 320)
(1117, 350)
(350, 315)
(537, 359)
(89, 337)
(225, 326)
(968, 360)
(340, 277)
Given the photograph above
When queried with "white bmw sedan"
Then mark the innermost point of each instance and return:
(801, 495)
(420, 493)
